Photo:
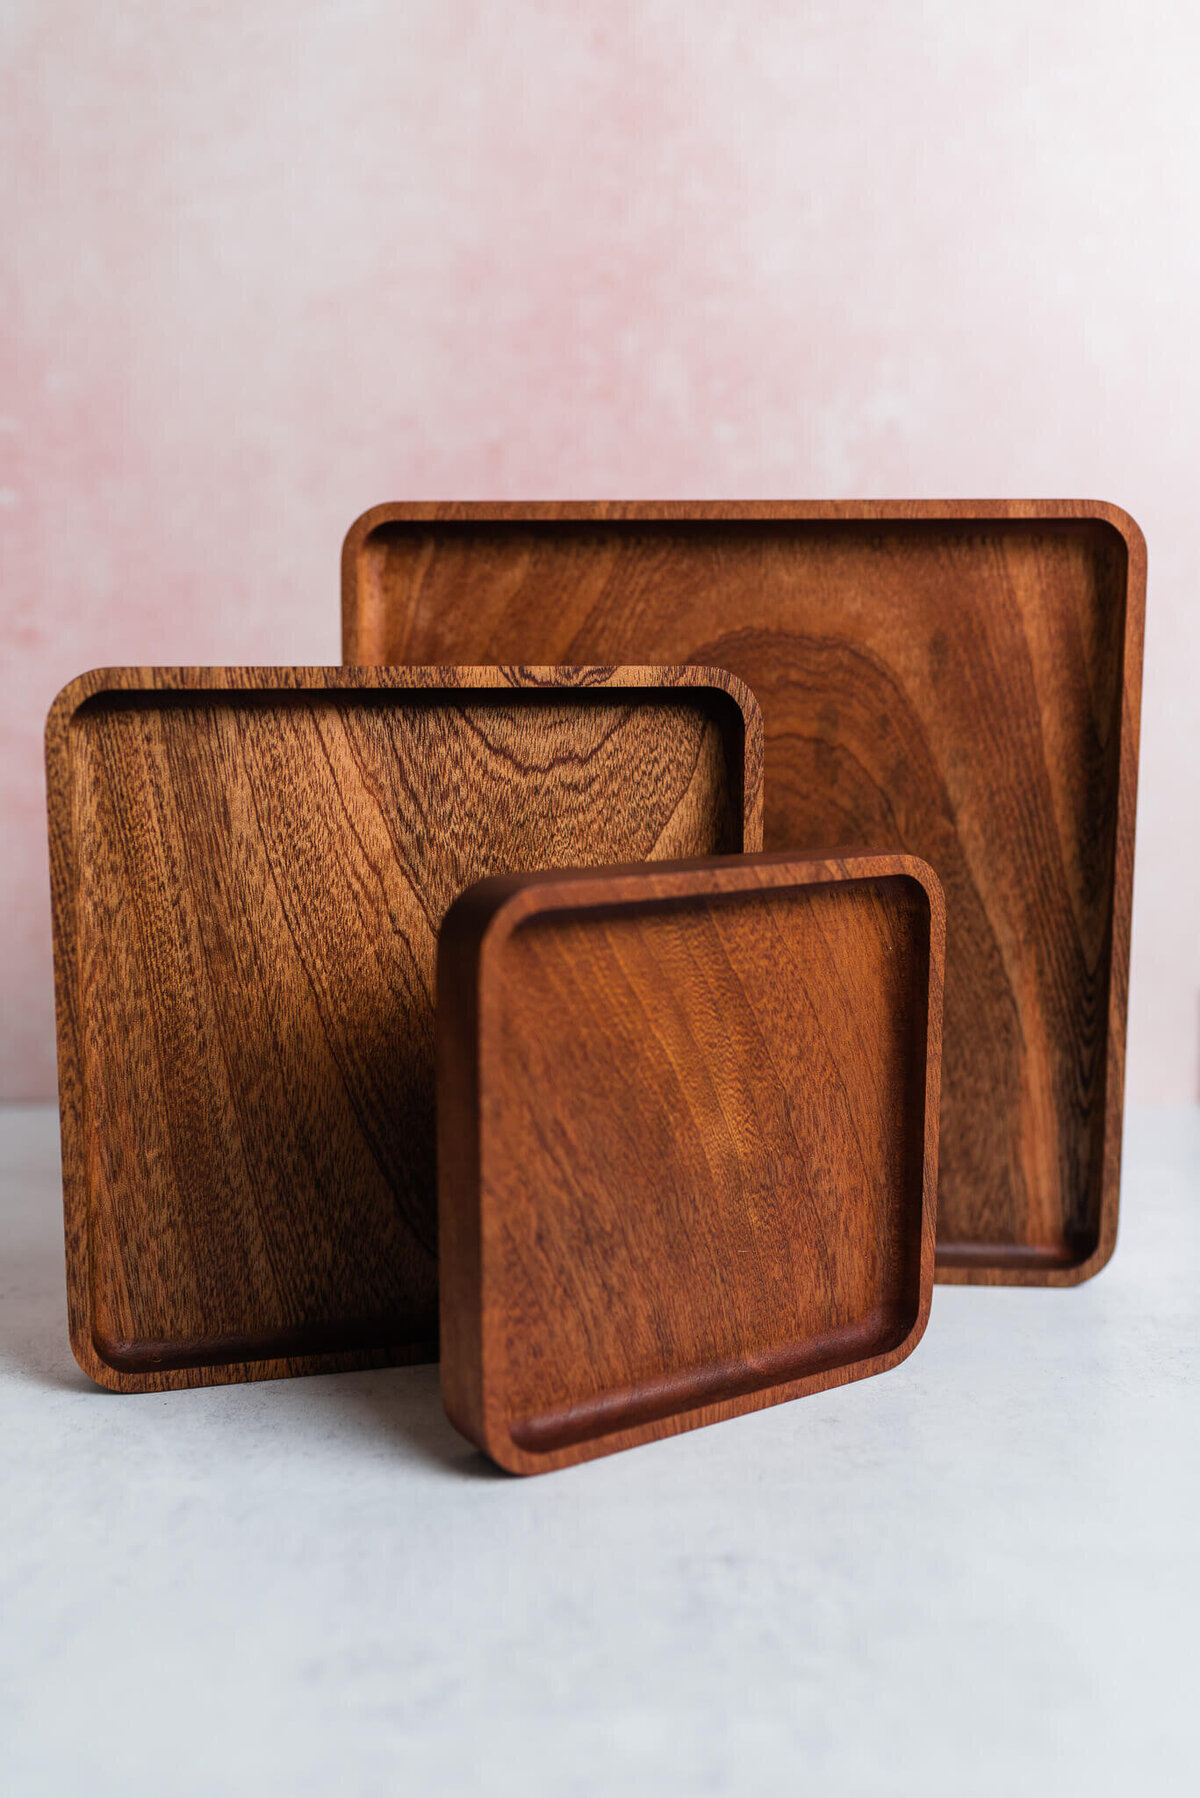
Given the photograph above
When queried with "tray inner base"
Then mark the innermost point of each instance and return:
(262, 880)
(729, 1195)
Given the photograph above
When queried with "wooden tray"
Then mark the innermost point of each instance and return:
(687, 1143)
(249, 870)
(960, 680)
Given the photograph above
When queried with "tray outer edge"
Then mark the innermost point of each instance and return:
(1116, 1028)
(63, 852)
(883, 511)
(476, 926)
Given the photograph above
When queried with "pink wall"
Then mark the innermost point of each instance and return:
(266, 264)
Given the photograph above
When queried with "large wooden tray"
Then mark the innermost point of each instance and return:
(960, 680)
(249, 870)
(687, 1143)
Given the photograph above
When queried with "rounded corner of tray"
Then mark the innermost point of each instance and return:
(365, 524)
(88, 1348)
(1094, 1262)
(1124, 524)
(71, 698)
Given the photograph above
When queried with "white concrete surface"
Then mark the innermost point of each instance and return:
(976, 1575)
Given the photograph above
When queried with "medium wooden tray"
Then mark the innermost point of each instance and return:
(687, 1143)
(960, 680)
(249, 870)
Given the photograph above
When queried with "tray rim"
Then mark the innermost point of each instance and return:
(474, 934)
(976, 1272)
(709, 511)
(261, 680)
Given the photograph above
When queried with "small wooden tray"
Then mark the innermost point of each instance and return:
(958, 680)
(687, 1143)
(249, 870)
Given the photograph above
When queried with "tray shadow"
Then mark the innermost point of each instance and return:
(400, 1405)
(397, 1405)
(34, 1344)
(403, 1405)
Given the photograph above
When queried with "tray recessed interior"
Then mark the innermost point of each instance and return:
(260, 877)
(949, 685)
(703, 1145)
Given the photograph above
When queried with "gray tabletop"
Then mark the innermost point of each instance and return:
(977, 1574)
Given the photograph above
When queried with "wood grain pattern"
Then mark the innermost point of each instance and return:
(687, 1143)
(958, 680)
(249, 871)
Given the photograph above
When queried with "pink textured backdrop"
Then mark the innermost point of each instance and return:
(266, 264)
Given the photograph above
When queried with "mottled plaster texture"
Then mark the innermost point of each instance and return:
(265, 265)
